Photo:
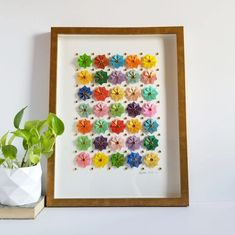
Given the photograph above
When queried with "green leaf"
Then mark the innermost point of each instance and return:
(31, 124)
(57, 125)
(11, 139)
(18, 118)
(4, 139)
(9, 151)
(25, 144)
(2, 161)
(47, 144)
(22, 134)
(34, 158)
(34, 136)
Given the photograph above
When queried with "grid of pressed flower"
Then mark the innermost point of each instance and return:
(117, 111)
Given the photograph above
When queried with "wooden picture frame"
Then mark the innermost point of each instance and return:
(183, 198)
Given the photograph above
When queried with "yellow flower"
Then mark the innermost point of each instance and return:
(149, 61)
(100, 160)
(151, 160)
(134, 126)
(117, 93)
(84, 77)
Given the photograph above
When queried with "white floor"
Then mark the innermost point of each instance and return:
(198, 219)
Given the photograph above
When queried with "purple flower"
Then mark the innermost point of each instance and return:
(133, 109)
(100, 142)
(117, 77)
(133, 143)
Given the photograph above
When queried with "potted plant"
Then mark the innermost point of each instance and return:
(20, 169)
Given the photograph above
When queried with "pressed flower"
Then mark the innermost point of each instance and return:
(149, 61)
(116, 109)
(133, 109)
(84, 77)
(134, 126)
(117, 77)
(150, 126)
(83, 159)
(116, 143)
(84, 126)
(117, 61)
(133, 143)
(132, 76)
(134, 159)
(132, 61)
(101, 77)
(151, 160)
(84, 61)
(117, 93)
(100, 126)
(84, 110)
(150, 142)
(83, 143)
(84, 93)
(101, 61)
(117, 160)
(149, 93)
(149, 109)
(100, 93)
(100, 142)
(148, 77)
(132, 93)
(117, 126)
(100, 109)
(100, 160)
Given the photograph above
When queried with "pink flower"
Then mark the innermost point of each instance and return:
(148, 77)
(100, 109)
(83, 159)
(132, 93)
(116, 143)
(149, 109)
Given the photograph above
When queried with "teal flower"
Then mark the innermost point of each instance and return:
(84, 61)
(84, 110)
(149, 93)
(83, 143)
(150, 125)
(132, 76)
(116, 109)
(100, 126)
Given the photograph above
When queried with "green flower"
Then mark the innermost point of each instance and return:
(84, 61)
(84, 110)
(101, 77)
(132, 76)
(83, 143)
(100, 126)
(117, 109)
(149, 93)
(117, 159)
(150, 142)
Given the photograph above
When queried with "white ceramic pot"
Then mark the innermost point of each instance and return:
(20, 186)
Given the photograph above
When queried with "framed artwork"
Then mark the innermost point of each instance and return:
(121, 95)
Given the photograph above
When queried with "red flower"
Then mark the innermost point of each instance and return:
(117, 126)
(100, 93)
(101, 61)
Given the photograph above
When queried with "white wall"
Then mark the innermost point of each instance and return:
(210, 73)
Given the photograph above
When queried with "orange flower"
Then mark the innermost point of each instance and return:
(84, 126)
(132, 61)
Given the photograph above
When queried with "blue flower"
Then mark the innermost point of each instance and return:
(134, 159)
(84, 93)
(117, 61)
(150, 125)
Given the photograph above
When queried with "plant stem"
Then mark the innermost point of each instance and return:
(22, 163)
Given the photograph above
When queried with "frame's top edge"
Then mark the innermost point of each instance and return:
(118, 30)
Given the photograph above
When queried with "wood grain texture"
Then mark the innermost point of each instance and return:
(181, 201)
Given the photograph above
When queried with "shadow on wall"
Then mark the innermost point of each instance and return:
(39, 89)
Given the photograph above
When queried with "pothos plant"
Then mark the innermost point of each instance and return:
(38, 139)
